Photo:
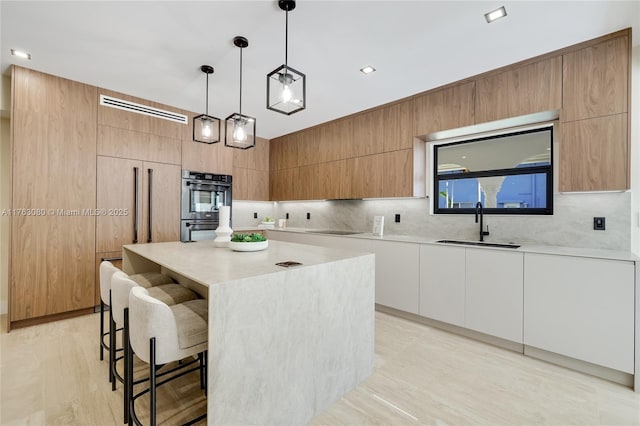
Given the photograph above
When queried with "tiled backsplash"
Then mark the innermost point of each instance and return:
(570, 225)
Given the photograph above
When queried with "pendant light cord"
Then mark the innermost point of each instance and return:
(286, 41)
(206, 108)
(241, 83)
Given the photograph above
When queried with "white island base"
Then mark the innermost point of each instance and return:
(284, 343)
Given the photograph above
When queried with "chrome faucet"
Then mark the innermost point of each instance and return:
(480, 212)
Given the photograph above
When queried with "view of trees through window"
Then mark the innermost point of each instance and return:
(509, 173)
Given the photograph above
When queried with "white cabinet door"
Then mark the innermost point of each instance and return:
(493, 298)
(397, 265)
(442, 282)
(580, 307)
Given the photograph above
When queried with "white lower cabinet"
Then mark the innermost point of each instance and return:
(479, 289)
(580, 307)
(442, 277)
(493, 293)
(397, 265)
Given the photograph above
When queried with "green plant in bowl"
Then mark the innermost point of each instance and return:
(248, 238)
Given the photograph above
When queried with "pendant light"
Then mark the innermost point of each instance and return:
(240, 129)
(206, 129)
(286, 87)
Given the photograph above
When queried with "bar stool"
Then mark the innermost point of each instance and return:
(121, 285)
(107, 269)
(160, 334)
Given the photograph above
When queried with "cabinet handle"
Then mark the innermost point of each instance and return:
(135, 205)
(110, 259)
(150, 239)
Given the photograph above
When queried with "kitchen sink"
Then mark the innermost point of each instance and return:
(478, 243)
(334, 232)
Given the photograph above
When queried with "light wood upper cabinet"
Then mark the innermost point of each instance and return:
(308, 185)
(596, 80)
(283, 152)
(524, 90)
(251, 172)
(594, 154)
(283, 184)
(444, 109)
(202, 157)
(331, 180)
(363, 177)
(53, 128)
(335, 140)
(123, 143)
(398, 176)
(309, 146)
(398, 126)
(368, 134)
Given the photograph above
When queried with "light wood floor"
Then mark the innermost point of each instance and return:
(51, 374)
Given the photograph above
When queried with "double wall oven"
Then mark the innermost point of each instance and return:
(202, 196)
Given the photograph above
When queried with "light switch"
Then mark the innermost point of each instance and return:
(599, 223)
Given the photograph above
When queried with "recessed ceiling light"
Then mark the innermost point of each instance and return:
(367, 70)
(501, 12)
(21, 54)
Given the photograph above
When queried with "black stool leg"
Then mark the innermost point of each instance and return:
(152, 380)
(206, 372)
(112, 348)
(127, 368)
(201, 360)
(101, 329)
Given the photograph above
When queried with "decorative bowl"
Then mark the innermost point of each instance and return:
(248, 246)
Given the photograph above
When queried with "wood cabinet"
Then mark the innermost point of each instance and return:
(595, 148)
(442, 282)
(493, 293)
(123, 143)
(53, 145)
(251, 172)
(331, 184)
(397, 173)
(444, 109)
(283, 152)
(363, 177)
(284, 184)
(368, 134)
(580, 307)
(124, 219)
(523, 90)
(596, 80)
(594, 154)
(398, 126)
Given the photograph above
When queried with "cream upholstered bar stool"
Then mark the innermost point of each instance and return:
(160, 334)
(121, 285)
(107, 269)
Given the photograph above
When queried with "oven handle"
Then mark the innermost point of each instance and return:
(135, 205)
(196, 227)
(206, 185)
(150, 239)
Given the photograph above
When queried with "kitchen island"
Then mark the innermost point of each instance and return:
(284, 343)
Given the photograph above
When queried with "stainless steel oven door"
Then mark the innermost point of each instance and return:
(197, 230)
(202, 199)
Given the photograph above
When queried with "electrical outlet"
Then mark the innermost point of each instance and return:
(308, 215)
(397, 218)
(599, 223)
(255, 215)
(287, 216)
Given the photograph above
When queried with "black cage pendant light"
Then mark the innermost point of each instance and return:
(240, 129)
(206, 129)
(286, 87)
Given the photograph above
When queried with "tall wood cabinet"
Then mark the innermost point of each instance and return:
(251, 172)
(53, 128)
(138, 178)
(594, 150)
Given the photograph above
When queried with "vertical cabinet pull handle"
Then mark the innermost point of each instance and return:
(150, 239)
(135, 205)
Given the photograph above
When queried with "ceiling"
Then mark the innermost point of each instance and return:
(154, 49)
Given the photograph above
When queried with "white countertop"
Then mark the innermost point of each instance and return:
(527, 248)
(206, 264)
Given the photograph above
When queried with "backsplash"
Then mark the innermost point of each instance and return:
(571, 224)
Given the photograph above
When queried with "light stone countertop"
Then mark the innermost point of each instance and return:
(206, 264)
(527, 248)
